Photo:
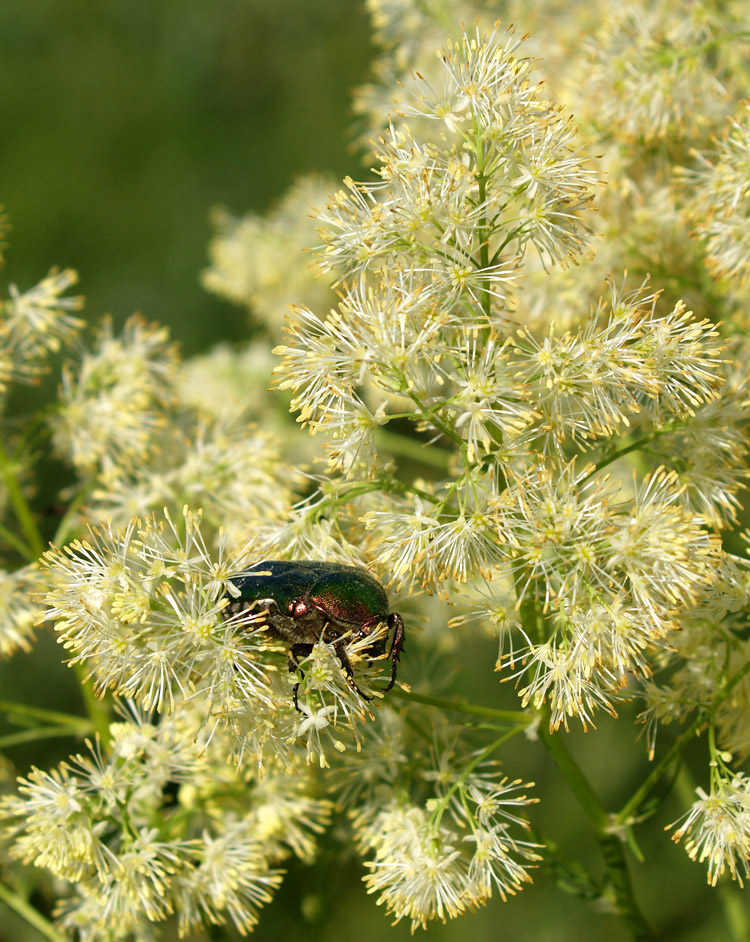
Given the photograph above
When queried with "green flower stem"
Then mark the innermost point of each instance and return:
(430, 415)
(515, 717)
(652, 779)
(579, 785)
(634, 446)
(41, 724)
(613, 852)
(630, 809)
(27, 912)
(69, 517)
(482, 229)
(612, 847)
(20, 506)
(403, 488)
(96, 719)
(73, 722)
(40, 732)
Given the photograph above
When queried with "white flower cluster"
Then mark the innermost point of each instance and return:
(149, 825)
(112, 403)
(717, 827)
(437, 861)
(583, 455)
(613, 565)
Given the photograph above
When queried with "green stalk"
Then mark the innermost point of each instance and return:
(633, 446)
(69, 516)
(577, 782)
(515, 717)
(613, 852)
(32, 916)
(430, 415)
(483, 233)
(609, 842)
(437, 814)
(36, 733)
(625, 815)
(20, 506)
(611, 846)
(54, 723)
(17, 543)
(54, 717)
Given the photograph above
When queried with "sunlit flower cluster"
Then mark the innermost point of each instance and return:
(230, 472)
(541, 511)
(145, 609)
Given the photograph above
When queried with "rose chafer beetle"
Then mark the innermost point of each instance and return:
(307, 601)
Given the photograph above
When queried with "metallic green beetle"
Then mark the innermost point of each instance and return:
(310, 601)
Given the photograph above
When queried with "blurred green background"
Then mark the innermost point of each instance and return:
(124, 123)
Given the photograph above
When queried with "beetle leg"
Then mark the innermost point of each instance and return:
(397, 645)
(346, 666)
(295, 654)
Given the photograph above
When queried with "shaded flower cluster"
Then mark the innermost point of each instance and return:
(213, 857)
(425, 868)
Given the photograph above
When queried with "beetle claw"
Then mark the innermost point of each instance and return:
(363, 695)
(397, 645)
